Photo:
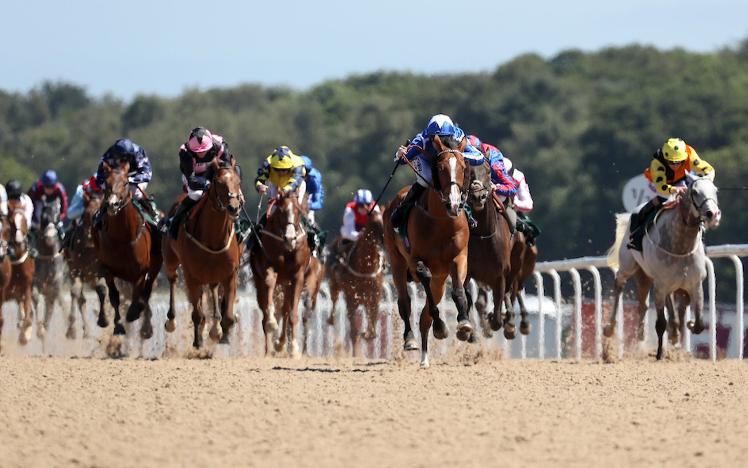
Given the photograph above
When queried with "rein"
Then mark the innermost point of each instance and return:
(205, 248)
(20, 260)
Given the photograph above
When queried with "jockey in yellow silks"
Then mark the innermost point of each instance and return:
(282, 171)
(667, 172)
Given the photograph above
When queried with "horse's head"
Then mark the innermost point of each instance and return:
(285, 218)
(375, 225)
(701, 197)
(49, 218)
(117, 187)
(450, 172)
(225, 188)
(480, 186)
(4, 236)
(19, 228)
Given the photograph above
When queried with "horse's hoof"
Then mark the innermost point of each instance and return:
(509, 331)
(216, 333)
(24, 336)
(494, 322)
(440, 329)
(487, 333)
(278, 346)
(524, 328)
(119, 329)
(410, 343)
(146, 332)
(609, 329)
(271, 326)
(102, 322)
(170, 325)
(464, 330)
(70, 334)
(295, 354)
(695, 327)
(133, 312)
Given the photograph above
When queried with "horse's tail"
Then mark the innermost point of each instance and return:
(622, 226)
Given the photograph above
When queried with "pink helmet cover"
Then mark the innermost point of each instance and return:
(200, 143)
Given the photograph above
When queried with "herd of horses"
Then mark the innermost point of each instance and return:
(455, 231)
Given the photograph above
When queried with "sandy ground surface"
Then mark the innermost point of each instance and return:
(325, 412)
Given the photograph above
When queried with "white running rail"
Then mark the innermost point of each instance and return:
(593, 264)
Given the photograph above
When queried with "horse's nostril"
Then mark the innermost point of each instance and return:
(709, 214)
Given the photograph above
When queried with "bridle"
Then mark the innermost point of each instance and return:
(297, 224)
(221, 205)
(703, 202)
(445, 199)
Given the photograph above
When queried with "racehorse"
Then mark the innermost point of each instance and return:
(313, 277)
(128, 248)
(209, 253)
(359, 275)
(281, 259)
(489, 252)
(22, 270)
(48, 276)
(523, 260)
(672, 258)
(84, 266)
(5, 267)
(437, 231)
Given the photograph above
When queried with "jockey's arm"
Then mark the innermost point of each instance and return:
(262, 175)
(64, 203)
(416, 147)
(701, 167)
(297, 176)
(348, 230)
(503, 184)
(523, 200)
(76, 208)
(659, 179)
(140, 168)
(28, 208)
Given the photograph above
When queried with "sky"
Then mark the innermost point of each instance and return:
(162, 46)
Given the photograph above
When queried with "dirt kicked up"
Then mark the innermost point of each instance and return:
(316, 412)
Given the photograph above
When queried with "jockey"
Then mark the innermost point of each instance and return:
(522, 203)
(44, 190)
(282, 171)
(3, 201)
(667, 172)
(140, 174)
(355, 217)
(195, 158)
(422, 153)
(314, 187)
(76, 208)
(504, 185)
(15, 192)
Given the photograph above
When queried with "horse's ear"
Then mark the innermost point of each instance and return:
(107, 167)
(463, 144)
(438, 145)
(215, 163)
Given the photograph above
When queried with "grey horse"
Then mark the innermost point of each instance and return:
(672, 259)
(48, 277)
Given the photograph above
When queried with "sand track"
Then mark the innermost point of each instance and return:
(262, 412)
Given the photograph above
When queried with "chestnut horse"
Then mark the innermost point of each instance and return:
(489, 252)
(49, 266)
(84, 267)
(282, 260)
(438, 233)
(22, 270)
(5, 267)
(129, 249)
(359, 276)
(207, 249)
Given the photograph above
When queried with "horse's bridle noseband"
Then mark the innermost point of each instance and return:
(699, 205)
(463, 195)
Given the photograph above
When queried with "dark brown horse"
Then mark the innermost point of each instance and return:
(5, 267)
(22, 270)
(359, 275)
(489, 252)
(84, 266)
(281, 260)
(523, 261)
(438, 232)
(313, 277)
(129, 249)
(209, 253)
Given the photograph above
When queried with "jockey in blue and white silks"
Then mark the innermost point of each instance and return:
(421, 152)
(314, 189)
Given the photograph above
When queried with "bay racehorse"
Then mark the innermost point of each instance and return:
(281, 260)
(489, 252)
(437, 231)
(128, 248)
(48, 277)
(672, 257)
(208, 250)
(22, 270)
(359, 274)
(5, 267)
(84, 267)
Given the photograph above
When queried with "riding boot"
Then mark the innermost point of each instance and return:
(511, 218)
(399, 215)
(172, 225)
(639, 223)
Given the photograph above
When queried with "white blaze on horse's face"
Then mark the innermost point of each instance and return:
(290, 234)
(18, 221)
(50, 234)
(454, 190)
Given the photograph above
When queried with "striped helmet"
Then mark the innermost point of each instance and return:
(363, 197)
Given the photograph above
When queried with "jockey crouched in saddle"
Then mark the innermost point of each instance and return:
(45, 191)
(283, 172)
(667, 172)
(355, 218)
(422, 153)
(315, 200)
(195, 159)
(139, 175)
(77, 206)
(14, 192)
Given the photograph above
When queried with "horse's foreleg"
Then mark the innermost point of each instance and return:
(119, 329)
(643, 285)
(697, 302)
(171, 316)
(424, 276)
(195, 296)
(216, 331)
(459, 297)
(228, 319)
(399, 277)
(102, 292)
(672, 320)
(524, 324)
(620, 283)
(661, 324)
(481, 303)
(137, 305)
(293, 314)
(499, 299)
(76, 293)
